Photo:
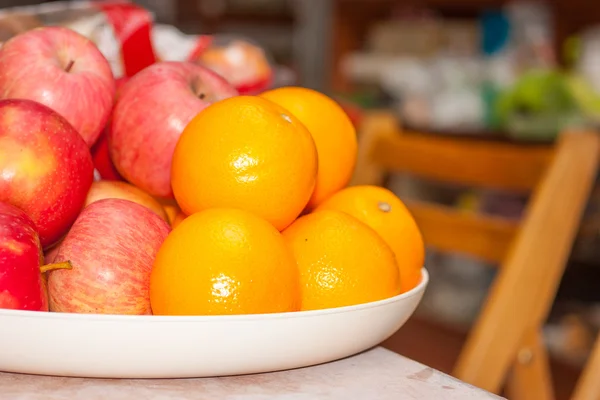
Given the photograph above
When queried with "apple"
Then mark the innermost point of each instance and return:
(64, 70)
(101, 159)
(111, 247)
(171, 208)
(45, 166)
(100, 154)
(22, 286)
(119, 82)
(152, 110)
(123, 190)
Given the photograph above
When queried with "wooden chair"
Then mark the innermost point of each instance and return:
(504, 348)
(588, 386)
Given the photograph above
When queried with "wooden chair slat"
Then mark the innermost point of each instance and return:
(475, 163)
(447, 229)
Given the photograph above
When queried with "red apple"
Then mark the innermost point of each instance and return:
(111, 247)
(123, 190)
(152, 110)
(64, 70)
(119, 83)
(45, 166)
(101, 159)
(100, 154)
(22, 286)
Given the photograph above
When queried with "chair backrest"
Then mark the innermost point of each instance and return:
(505, 343)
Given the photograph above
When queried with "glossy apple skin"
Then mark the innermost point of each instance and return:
(152, 110)
(100, 154)
(45, 166)
(21, 283)
(102, 161)
(112, 247)
(123, 190)
(33, 65)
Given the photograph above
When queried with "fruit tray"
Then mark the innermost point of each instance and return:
(117, 346)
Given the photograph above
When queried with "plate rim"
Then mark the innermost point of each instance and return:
(216, 318)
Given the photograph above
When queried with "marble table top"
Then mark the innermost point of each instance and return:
(377, 374)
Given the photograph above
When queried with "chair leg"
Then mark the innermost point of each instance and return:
(588, 386)
(530, 376)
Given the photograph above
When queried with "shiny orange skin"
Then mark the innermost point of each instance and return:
(342, 261)
(126, 191)
(383, 211)
(248, 153)
(224, 261)
(332, 130)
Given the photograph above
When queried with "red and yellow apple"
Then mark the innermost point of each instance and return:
(45, 166)
(171, 208)
(151, 111)
(22, 286)
(64, 70)
(111, 247)
(123, 190)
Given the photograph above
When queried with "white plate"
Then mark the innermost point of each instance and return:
(118, 346)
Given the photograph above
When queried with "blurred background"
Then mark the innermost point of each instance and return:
(505, 71)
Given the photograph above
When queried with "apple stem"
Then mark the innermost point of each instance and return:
(70, 65)
(201, 96)
(52, 267)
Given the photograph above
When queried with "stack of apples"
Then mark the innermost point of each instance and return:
(169, 193)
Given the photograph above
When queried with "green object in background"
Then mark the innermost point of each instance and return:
(537, 107)
(542, 91)
(586, 97)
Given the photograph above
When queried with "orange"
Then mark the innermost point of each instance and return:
(248, 153)
(341, 261)
(224, 261)
(383, 211)
(332, 130)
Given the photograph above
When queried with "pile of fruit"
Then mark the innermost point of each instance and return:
(221, 203)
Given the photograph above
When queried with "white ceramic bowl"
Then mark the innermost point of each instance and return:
(117, 346)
